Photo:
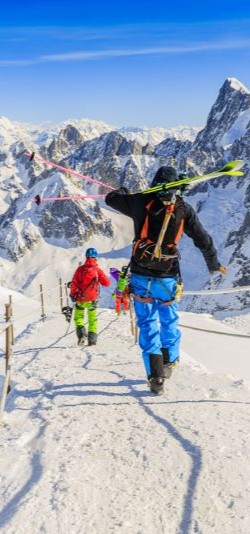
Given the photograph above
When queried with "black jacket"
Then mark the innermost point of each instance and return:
(134, 206)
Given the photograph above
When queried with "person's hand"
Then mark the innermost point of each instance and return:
(123, 191)
(223, 270)
(73, 299)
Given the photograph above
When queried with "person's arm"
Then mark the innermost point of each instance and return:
(74, 284)
(103, 278)
(202, 240)
(122, 201)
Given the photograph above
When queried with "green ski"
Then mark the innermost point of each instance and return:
(230, 169)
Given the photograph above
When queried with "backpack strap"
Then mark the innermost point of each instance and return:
(144, 230)
(168, 214)
(91, 283)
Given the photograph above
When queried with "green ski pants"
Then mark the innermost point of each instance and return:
(91, 308)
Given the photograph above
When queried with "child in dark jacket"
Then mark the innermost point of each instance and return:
(84, 291)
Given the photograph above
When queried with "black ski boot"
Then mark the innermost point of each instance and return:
(67, 312)
(156, 378)
(167, 365)
(156, 385)
(81, 334)
(92, 338)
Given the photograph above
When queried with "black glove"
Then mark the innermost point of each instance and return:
(123, 191)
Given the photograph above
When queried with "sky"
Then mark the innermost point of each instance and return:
(86, 448)
(143, 63)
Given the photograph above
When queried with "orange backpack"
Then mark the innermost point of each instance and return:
(145, 244)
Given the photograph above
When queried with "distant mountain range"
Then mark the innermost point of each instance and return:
(129, 157)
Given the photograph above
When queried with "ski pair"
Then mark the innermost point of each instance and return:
(230, 169)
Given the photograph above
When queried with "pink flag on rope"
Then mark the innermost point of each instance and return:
(32, 155)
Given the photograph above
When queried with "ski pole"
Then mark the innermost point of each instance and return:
(71, 319)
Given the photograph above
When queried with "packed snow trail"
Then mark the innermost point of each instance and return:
(87, 449)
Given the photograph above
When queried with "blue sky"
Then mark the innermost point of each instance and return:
(133, 63)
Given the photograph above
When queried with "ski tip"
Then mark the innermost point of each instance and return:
(32, 155)
(234, 165)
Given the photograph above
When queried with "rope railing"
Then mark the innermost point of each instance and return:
(217, 291)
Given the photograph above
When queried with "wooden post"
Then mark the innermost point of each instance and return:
(8, 354)
(61, 293)
(8, 338)
(12, 326)
(134, 327)
(131, 317)
(136, 333)
(42, 302)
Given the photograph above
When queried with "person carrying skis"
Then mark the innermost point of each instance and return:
(155, 271)
(121, 293)
(84, 291)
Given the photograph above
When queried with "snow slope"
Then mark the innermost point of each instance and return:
(86, 448)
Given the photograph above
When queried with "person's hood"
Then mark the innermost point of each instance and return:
(91, 262)
(165, 175)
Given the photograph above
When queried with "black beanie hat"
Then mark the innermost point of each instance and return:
(165, 175)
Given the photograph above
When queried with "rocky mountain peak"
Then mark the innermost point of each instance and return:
(232, 101)
(68, 139)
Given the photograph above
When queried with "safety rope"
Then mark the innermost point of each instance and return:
(217, 291)
(213, 331)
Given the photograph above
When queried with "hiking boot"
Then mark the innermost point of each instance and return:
(156, 377)
(156, 385)
(81, 341)
(92, 338)
(81, 334)
(167, 364)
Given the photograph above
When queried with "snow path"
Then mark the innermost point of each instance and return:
(87, 449)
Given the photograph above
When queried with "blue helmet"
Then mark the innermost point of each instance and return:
(91, 253)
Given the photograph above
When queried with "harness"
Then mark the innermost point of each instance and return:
(151, 299)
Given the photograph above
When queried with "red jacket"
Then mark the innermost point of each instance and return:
(86, 280)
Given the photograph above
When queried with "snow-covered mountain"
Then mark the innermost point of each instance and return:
(129, 157)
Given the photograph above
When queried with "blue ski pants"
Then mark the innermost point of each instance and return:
(157, 322)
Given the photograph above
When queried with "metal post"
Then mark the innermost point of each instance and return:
(67, 294)
(42, 302)
(8, 338)
(12, 326)
(61, 293)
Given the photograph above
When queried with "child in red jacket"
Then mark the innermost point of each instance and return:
(84, 291)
